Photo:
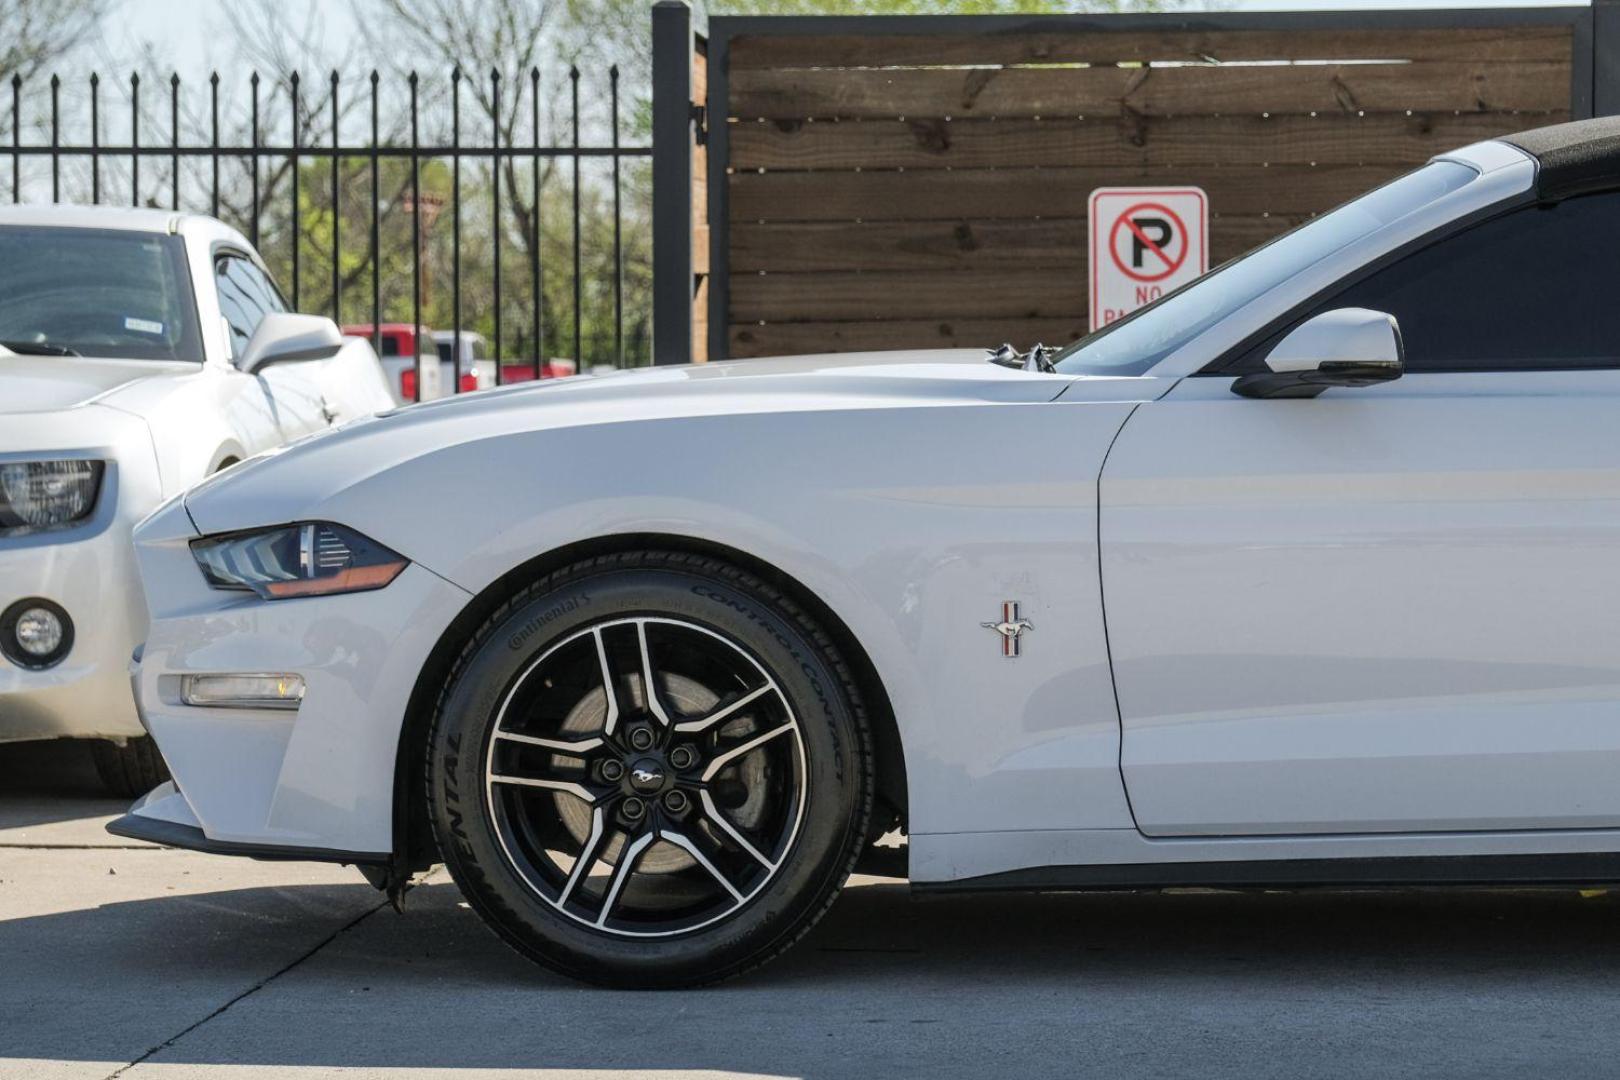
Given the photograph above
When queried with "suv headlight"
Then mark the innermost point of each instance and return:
(308, 559)
(40, 495)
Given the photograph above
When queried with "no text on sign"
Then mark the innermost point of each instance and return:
(1145, 242)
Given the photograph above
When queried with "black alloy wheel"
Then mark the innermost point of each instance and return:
(650, 770)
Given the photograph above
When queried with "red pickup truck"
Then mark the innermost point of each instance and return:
(399, 346)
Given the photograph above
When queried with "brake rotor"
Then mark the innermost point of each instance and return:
(690, 698)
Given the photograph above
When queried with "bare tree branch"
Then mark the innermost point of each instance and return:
(37, 32)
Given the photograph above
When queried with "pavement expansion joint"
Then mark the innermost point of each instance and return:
(250, 991)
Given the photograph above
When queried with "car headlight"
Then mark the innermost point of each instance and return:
(40, 495)
(308, 559)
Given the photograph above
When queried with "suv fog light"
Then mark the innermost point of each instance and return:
(243, 691)
(35, 633)
(39, 632)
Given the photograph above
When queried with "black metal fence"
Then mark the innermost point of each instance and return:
(355, 178)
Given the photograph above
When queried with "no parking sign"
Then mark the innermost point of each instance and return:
(1145, 241)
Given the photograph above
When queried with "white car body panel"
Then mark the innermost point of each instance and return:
(1461, 529)
(319, 777)
(161, 426)
(913, 494)
(907, 594)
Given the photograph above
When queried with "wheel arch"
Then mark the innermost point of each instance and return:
(413, 838)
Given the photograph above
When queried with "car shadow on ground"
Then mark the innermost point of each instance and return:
(433, 989)
(306, 971)
(42, 783)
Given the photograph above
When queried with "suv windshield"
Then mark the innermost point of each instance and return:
(96, 292)
(1135, 343)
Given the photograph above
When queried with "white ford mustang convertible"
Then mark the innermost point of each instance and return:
(1308, 574)
(140, 351)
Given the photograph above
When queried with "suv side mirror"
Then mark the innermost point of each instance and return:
(284, 336)
(1345, 347)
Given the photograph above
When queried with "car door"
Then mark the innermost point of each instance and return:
(1396, 608)
(246, 296)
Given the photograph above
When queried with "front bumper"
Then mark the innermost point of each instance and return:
(319, 779)
(164, 817)
(90, 571)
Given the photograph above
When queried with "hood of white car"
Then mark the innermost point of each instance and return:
(791, 382)
(299, 477)
(32, 384)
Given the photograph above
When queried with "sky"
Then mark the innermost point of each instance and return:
(192, 31)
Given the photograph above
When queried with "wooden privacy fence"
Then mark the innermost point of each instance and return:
(881, 183)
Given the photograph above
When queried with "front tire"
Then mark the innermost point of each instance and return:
(129, 770)
(651, 839)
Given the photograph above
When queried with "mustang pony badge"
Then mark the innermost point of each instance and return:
(1011, 628)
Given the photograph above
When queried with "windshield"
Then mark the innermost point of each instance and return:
(1135, 343)
(96, 292)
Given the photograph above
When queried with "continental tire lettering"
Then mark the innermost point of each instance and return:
(522, 635)
(452, 797)
(807, 667)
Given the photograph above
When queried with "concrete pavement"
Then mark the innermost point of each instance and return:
(151, 965)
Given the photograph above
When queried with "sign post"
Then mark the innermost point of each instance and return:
(1145, 242)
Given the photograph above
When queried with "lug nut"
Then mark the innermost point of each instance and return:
(633, 809)
(683, 757)
(641, 738)
(676, 802)
(612, 771)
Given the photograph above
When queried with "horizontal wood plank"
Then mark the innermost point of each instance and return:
(1029, 193)
(764, 52)
(1016, 294)
(983, 245)
(788, 339)
(1539, 86)
(1326, 139)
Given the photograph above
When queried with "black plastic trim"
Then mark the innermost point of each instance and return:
(1575, 158)
(174, 834)
(1404, 871)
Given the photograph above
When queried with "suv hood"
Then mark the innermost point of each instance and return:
(31, 384)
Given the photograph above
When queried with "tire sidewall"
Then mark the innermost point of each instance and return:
(812, 869)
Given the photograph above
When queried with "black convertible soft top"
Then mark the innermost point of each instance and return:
(1575, 158)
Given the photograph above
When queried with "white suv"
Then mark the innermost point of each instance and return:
(140, 351)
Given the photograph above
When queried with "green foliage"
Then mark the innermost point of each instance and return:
(437, 271)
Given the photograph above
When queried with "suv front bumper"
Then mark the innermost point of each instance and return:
(90, 571)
